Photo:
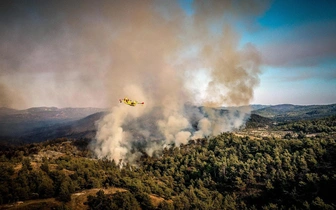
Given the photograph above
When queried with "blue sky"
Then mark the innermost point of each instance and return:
(298, 44)
(297, 41)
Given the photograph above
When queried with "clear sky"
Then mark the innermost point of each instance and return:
(297, 40)
(62, 53)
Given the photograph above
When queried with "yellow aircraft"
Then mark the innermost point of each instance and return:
(129, 102)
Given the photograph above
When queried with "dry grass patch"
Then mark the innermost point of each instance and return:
(78, 199)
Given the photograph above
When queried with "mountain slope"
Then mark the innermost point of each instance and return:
(289, 112)
(256, 121)
(43, 123)
(83, 128)
(15, 124)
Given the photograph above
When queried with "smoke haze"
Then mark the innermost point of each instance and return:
(95, 52)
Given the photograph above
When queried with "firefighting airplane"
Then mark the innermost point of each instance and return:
(129, 102)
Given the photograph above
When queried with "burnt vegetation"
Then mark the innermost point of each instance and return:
(227, 171)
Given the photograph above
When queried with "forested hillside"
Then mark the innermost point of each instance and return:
(289, 112)
(222, 172)
(324, 125)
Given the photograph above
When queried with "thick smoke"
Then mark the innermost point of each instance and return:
(183, 63)
(8, 97)
(156, 52)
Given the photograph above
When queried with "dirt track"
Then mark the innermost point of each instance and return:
(77, 201)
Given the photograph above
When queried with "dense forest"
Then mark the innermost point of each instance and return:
(221, 172)
(324, 125)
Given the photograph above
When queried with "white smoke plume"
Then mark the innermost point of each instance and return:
(156, 48)
(184, 62)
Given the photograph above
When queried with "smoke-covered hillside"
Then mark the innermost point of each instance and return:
(39, 123)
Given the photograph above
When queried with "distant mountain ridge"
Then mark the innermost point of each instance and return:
(41, 123)
(50, 112)
(17, 123)
(82, 128)
(290, 112)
